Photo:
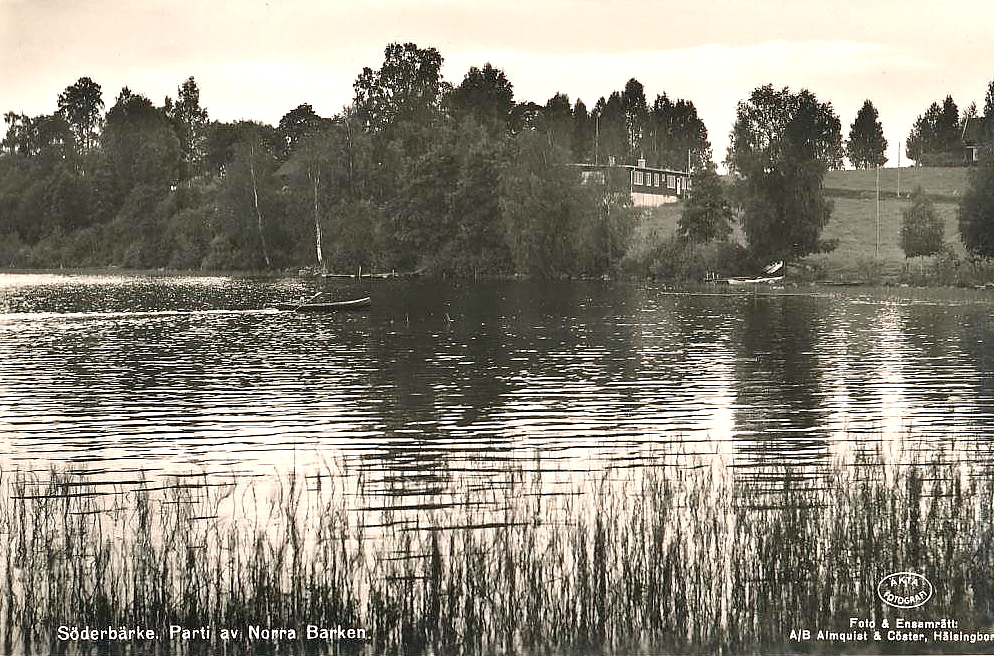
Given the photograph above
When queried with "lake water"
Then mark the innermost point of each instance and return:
(659, 470)
(442, 385)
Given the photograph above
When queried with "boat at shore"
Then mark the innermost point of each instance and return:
(768, 276)
(767, 280)
(331, 306)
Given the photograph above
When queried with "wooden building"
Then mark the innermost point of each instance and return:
(649, 186)
(975, 132)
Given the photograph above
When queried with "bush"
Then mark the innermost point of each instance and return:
(871, 270)
(921, 227)
(677, 259)
(946, 266)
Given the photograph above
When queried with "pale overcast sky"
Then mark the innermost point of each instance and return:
(257, 60)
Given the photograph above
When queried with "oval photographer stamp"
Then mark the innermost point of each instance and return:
(904, 590)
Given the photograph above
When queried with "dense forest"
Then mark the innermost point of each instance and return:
(414, 175)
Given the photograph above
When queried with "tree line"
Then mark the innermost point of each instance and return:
(936, 138)
(414, 174)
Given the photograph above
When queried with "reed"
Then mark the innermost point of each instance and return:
(668, 559)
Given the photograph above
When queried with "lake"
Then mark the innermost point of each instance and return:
(446, 396)
(447, 380)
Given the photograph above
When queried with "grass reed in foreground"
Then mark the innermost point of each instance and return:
(677, 561)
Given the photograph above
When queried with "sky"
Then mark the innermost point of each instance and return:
(258, 60)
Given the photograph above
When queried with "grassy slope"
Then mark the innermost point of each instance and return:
(652, 228)
(853, 220)
(938, 181)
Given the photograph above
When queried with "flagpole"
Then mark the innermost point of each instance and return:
(876, 244)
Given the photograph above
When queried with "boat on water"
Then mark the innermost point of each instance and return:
(331, 306)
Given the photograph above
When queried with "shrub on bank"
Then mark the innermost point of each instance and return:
(947, 268)
(677, 259)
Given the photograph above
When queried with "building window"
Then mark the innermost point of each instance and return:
(655, 179)
(638, 177)
(671, 181)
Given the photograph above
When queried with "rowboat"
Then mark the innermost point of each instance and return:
(333, 306)
(770, 269)
(768, 280)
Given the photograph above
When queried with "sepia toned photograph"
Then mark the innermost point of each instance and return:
(444, 327)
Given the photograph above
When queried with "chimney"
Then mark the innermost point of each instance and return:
(641, 162)
(610, 160)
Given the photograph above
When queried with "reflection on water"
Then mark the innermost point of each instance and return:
(443, 387)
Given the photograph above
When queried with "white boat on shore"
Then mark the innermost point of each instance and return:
(766, 279)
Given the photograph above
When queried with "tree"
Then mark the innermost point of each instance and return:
(80, 105)
(296, 124)
(611, 133)
(675, 135)
(19, 137)
(607, 218)
(422, 219)
(524, 116)
(400, 107)
(949, 125)
(934, 138)
(782, 145)
(976, 210)
(138, 165)
(707, 214)
(866, 145)
(246, 232)
(486, 95)
(33, 136)
(583, 133)
(636, 111)
(323, 173)
(140, 144)
(447, 220)
(541, 205)
(310, 156)
(406, 88)
(921, 228)
(922, 140)
(971, 111)
(557, 122)
(987, 131)
(40, 191)
(190, 122)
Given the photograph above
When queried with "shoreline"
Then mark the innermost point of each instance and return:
(70, 272)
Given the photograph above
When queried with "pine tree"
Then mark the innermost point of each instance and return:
(935, 138)
(866, 145)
